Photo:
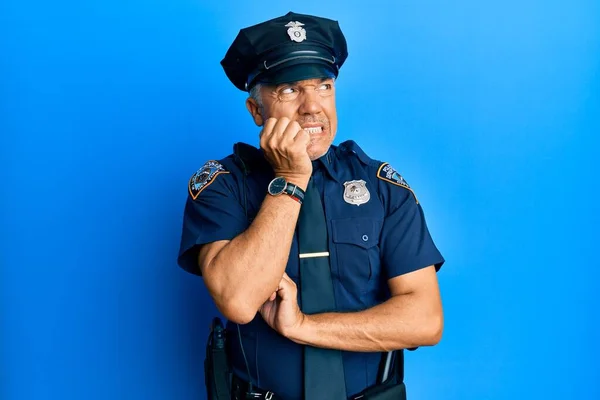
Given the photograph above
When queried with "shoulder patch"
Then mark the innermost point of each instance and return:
(204, 177)
(387, 173)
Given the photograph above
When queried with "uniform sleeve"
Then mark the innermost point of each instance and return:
(406, 242)
(215, 214)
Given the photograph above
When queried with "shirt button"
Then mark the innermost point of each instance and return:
(365, 238)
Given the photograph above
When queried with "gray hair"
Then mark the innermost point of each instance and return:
(255, 94)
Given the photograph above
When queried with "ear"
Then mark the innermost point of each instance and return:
(255, 111)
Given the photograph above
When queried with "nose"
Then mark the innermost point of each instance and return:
(310, 103)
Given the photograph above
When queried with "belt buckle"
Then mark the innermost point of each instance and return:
(269, 395)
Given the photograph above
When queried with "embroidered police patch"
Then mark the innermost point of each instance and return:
(204, 177)
(387, 173)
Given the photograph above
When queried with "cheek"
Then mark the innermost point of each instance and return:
(332, 116)
(333, 123)
(328, 105)
(280, 110)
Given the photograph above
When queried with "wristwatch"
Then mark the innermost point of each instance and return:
(280, 186)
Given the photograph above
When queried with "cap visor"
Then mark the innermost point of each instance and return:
(297, 72)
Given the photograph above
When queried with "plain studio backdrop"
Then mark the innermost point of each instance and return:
(489, 109)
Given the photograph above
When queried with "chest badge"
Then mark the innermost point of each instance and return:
(356, 192)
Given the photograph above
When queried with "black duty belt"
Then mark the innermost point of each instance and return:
(240, 390)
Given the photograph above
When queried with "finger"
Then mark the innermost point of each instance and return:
(282, 124)
(292, 130)
(287, 278)
(267, 131)
(292, 285)
(273, 296)
(302, 138)
(269, 125)
(287, 285)
(288, 293)
(274, 140)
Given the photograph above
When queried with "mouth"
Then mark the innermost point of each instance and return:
(313, 130)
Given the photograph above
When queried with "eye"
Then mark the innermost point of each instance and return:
(325, 86)
(287, 90)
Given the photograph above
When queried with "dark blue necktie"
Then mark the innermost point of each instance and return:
(323, 368)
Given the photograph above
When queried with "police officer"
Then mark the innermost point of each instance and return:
(242, 219)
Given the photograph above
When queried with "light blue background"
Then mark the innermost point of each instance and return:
(490, 110)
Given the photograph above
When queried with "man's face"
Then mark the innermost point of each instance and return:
(310, 102)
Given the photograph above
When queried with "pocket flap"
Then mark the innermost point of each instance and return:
(362, 232)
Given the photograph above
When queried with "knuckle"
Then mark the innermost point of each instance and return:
(270, 125)
(303, 136)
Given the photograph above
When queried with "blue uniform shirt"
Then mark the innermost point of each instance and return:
(369, 243)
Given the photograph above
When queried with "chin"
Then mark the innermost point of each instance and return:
(315, 155)
(318, 150)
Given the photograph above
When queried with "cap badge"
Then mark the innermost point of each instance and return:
(296, 31)
(356, 192)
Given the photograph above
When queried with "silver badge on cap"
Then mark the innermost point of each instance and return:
(296, 31)
(356, 192)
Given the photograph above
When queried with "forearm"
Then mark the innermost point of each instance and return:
(247, 270)
(401, 322)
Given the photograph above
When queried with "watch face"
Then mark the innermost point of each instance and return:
(277, 186)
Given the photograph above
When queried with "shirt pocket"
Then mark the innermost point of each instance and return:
(356, 243)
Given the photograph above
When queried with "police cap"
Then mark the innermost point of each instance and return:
(285, 49)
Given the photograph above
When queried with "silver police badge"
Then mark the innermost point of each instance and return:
(356, 192)
(296, 31)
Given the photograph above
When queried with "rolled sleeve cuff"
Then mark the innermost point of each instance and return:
(411, 264)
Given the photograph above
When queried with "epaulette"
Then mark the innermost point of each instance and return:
(350, 146)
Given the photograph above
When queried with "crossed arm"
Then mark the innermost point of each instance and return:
(412, 317)
(247, 275)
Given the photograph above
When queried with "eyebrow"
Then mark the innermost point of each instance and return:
(321, 80)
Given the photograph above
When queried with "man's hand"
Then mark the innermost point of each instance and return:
(281, 311)
(285, 144)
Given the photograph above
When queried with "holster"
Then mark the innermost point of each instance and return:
(391, 386)
(217, 371)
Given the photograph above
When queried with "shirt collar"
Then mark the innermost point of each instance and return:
(328, 162)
